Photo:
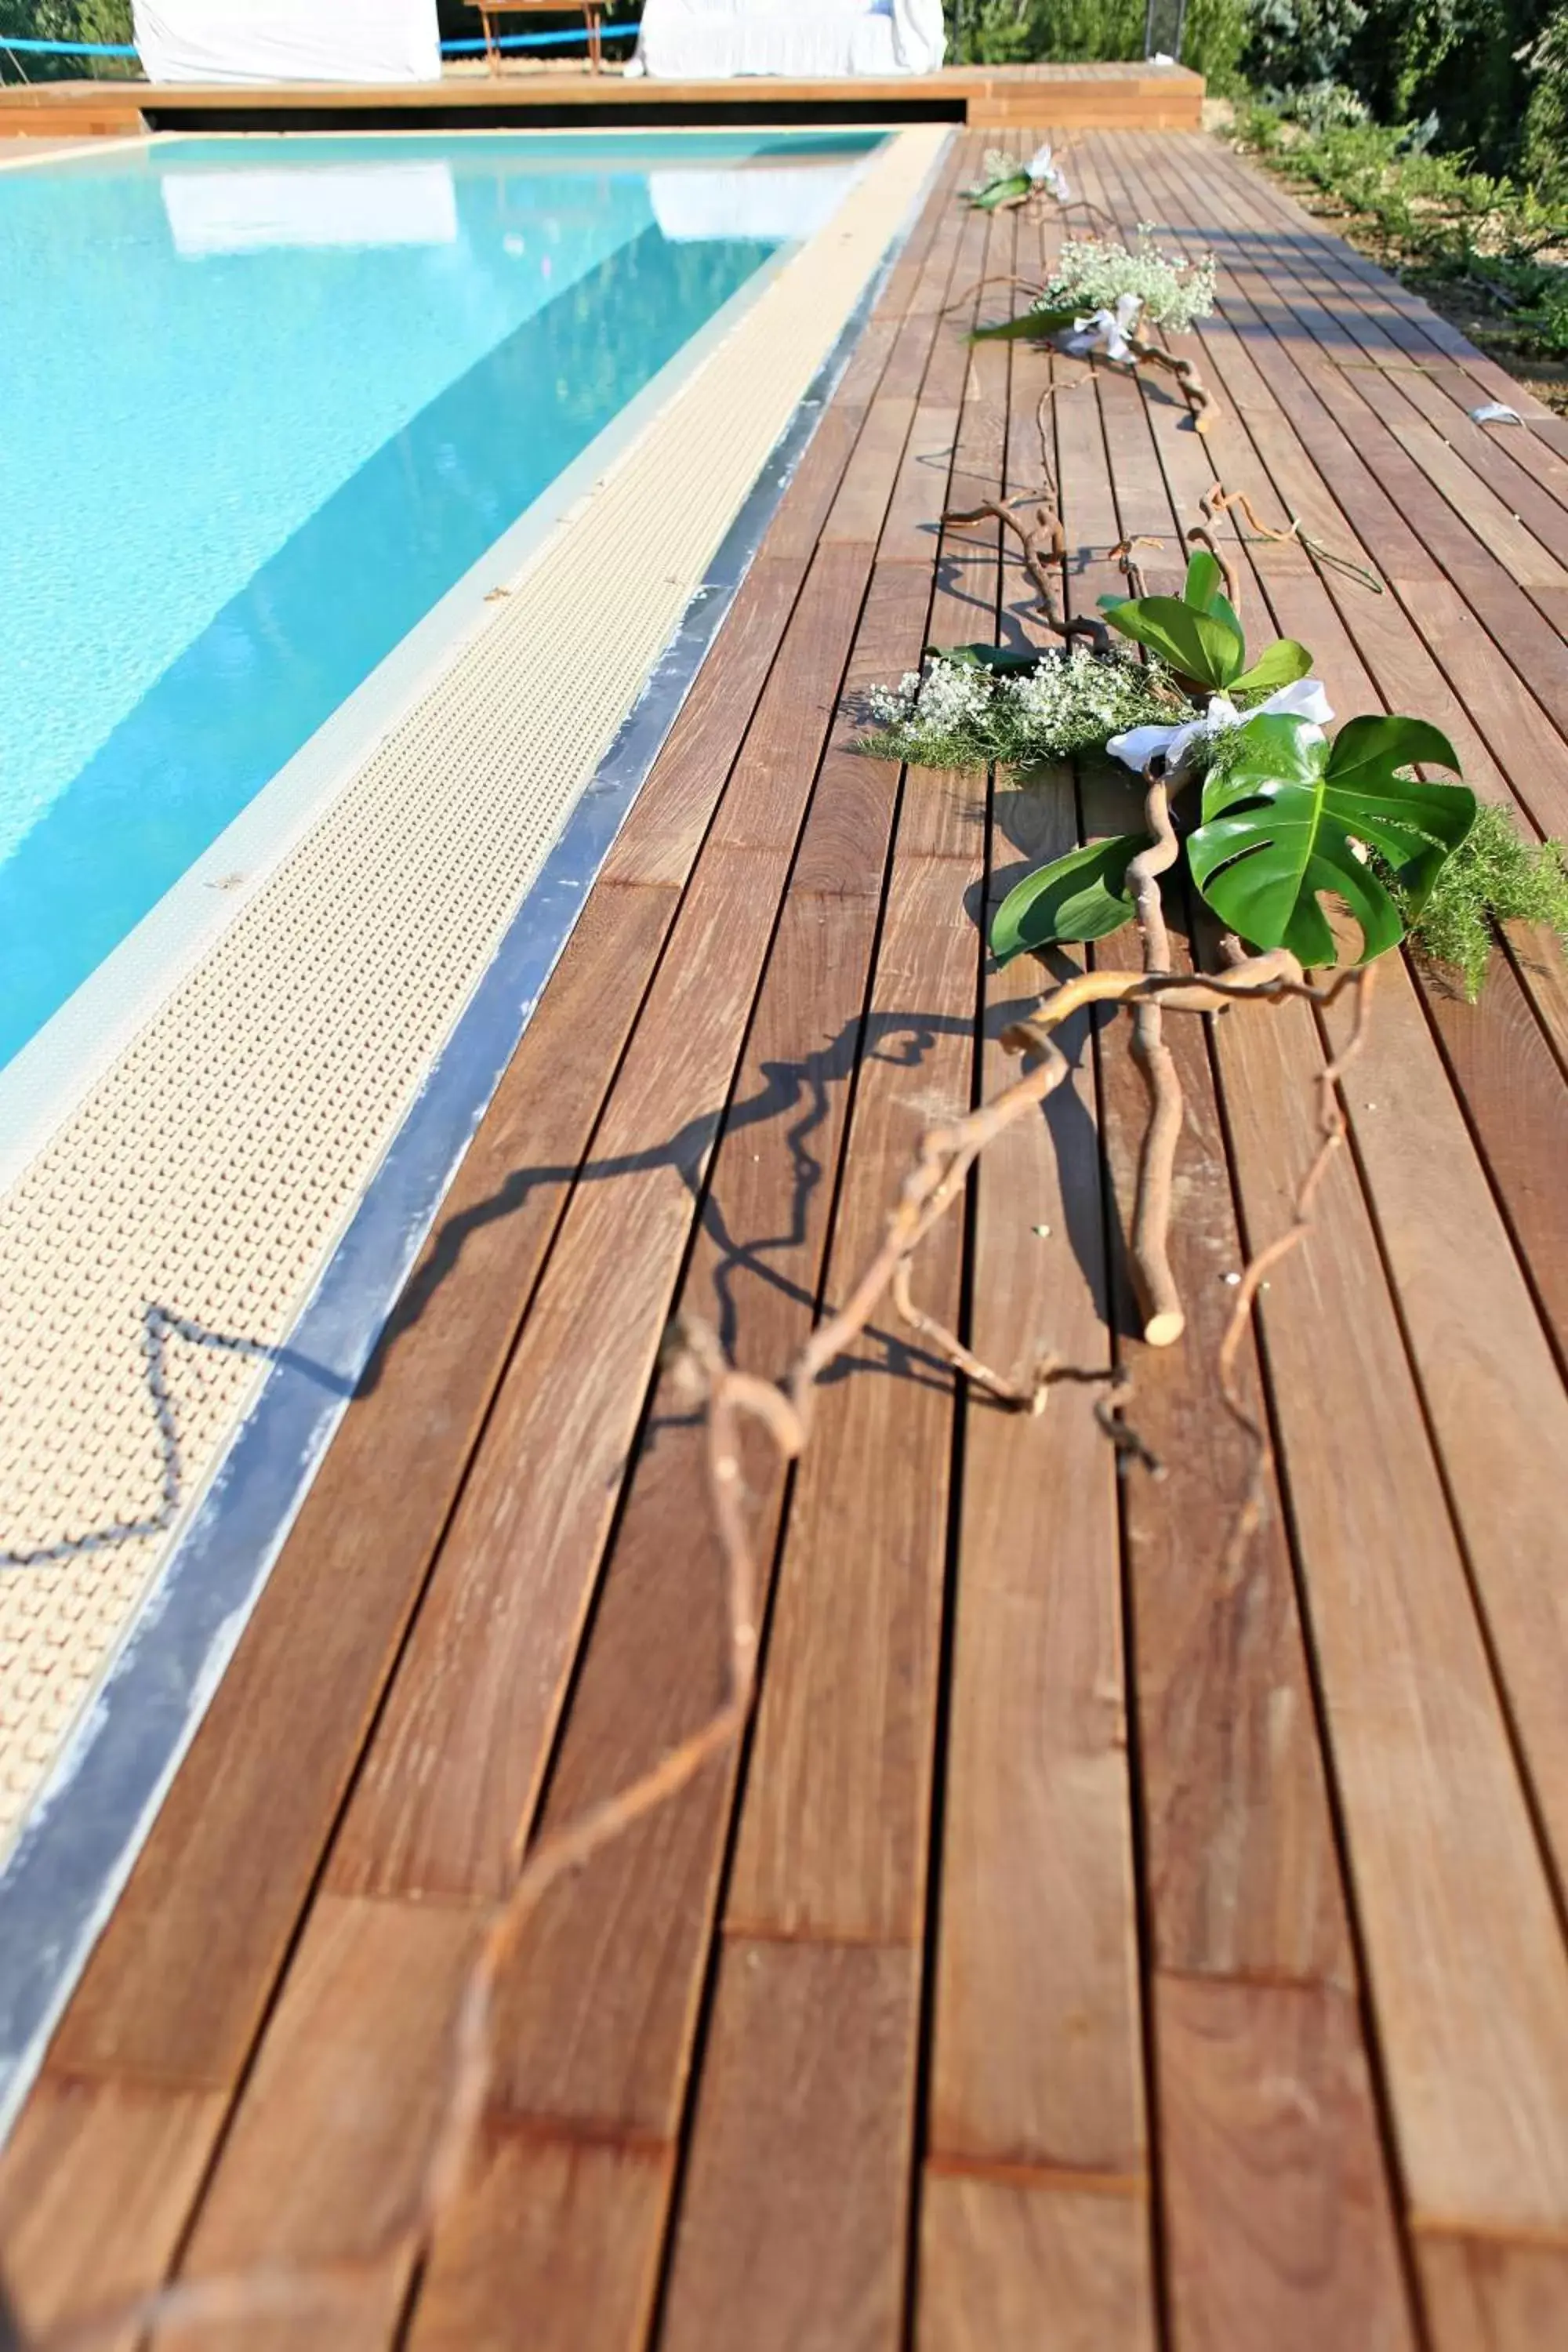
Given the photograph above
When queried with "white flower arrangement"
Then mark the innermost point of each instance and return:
(958, 713)
(1097, 275)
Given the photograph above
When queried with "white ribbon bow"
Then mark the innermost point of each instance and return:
(1044, 172)
(1105, 331)
(1304, 700)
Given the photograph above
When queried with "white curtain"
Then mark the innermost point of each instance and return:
(712, 40)
(288, 40)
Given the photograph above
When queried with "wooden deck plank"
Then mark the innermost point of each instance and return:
(1444, 358)
(1505, 1071)
(559, 2237)
(1114, 94)
(834, 1821)
(1279, 2225)
(1492, 2294)
(1000, 2258)
(1242, 1883)
(111, 2166)
(836, 1815)
(1531, 1966)
(604, 2019)
(327, 2155)
(1037, 2051)
(599, 2008)
(481, 1684)
(784, 2241)
(1472, 1999)
(1488, 1378)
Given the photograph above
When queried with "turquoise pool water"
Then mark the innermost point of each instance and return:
(262, 402)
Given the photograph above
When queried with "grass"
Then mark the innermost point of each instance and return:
(1494, 877)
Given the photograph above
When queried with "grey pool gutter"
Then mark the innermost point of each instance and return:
(79, 1847)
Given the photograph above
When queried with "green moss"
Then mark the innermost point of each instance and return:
(1494, 877)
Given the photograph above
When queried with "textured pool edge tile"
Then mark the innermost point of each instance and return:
(155, 1253)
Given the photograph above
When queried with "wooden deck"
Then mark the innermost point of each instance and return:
(1089, 1949)
(1114, 97)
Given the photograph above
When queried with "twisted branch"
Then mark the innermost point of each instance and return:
(730, 1398)
(1041, 541)
(1159, 1302)
(1200, 399)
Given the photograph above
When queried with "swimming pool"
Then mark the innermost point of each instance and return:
(263, 401)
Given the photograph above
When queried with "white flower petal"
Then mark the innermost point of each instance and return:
(1140, 744)
(1304, 700)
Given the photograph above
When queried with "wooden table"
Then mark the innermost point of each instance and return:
(592, 11)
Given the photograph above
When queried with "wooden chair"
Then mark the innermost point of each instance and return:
(591, 12)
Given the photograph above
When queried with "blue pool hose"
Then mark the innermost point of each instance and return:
(449, 48)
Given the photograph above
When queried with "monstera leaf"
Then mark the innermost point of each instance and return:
(1198, 634)
(1280, 820)
(1032, 323)
(1081, 897)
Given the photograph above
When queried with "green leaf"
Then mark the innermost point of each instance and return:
(1204, 589)
(1205, 582)
(1082, 896)
(996, 192)
(1041, 323)
(1282, 664)
(1280, 819)
(1207, 647)
(1007, 661)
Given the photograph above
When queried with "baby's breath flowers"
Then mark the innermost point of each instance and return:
(957, 713)
(1093, 272)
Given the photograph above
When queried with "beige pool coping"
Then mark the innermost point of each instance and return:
(155, 1252)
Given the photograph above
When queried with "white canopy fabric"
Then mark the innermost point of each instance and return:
(288, 40)
(712, 40)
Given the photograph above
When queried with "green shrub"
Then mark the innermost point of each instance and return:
(1294, 44)
(1430, 209)
(1012, 32)
(1544, 149)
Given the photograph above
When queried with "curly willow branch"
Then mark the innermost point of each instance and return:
(1206, 409)
(1159, 1304)
(729, 1400)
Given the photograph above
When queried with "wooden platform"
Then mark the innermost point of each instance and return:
(1105, 97)
(1091, 1949)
